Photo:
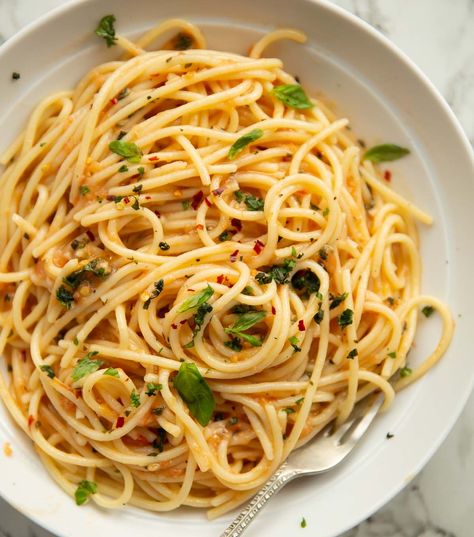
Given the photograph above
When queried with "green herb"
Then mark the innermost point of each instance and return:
(323, 253)
(64, 297)
(137, 188)
(198, 318)
(242, 308)
(86, 366)
(278, 273)
(234, 344)
(48, 370)
(121, 135)
(152, 388)
(352, 354)
(84, 490)
(244, 322)
(75, 341)
(294, 343)
(183, 41)
(196, 300)
(337, 300)
(345, 319)
(159, 442)
(289, 410)
(299, 401)
(319, 316)
(84, 189)
(127, 150)
(123, 168)
(405, 372)
(78, 245)
(15, 76)
(225, 235)
(303, 522)
(136, 204)
(195, 392)
(164, 246)
(305, 282)
(157, 289)
(385, 152)
(158, 410)
(253, 203)
(186, 204)
(428, 311)
(141, 172)
(112, 372)
(326, 212)
(292, 95)
(243, 142)
(123, 93)
(106, 30)
(97, 267)
(392, 354)
(248, 290)
(135, 399)
(389, 435)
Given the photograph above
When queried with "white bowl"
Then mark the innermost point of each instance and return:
(388, 100)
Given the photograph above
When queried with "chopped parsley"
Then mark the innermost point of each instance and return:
(106, 30)
(135, 399)
(294, 343)
(84, 189)
(196, 300)
(183, 41)
(345, 319)
(234, 344)
(303, 522)
(123, 168)
(152, 388)
(352, 354)
(305, 282)
(392, 354)
(111, 372)
(225, 235)
(319, 316)
(65, 297)
(86, 366)
(277, 273)
(164, 246)
(253, 203)
(428, 311)
(337, 300)
(157, 289)
(137, 188)
(198, 319)
(84, 490)
(405, 372)
(48, 370)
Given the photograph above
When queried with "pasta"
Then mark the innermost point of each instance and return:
(200, 269)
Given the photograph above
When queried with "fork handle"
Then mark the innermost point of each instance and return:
(281, 477)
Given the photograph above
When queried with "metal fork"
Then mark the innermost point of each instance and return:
(326, 451)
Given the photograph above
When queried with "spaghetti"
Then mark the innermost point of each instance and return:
(199, 271)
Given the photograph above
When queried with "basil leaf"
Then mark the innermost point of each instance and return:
(385, 152)
(428, 311)
(84, 490)
(106, 30)
(292, 95)
(243, 142)
(253, 340)
(252, 202)
(246, 321)
(195, 392)
(65, 297)
(127, 150)
(85, 366)
(196, 300)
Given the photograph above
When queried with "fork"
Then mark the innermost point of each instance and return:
(328, 449)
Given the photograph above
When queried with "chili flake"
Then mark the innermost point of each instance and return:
(301, 326)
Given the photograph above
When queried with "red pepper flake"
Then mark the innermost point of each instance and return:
(77, 393)
(31, 420)
(274, 310)
(218, 191)
(110, 197)
(114, 100)
(220, 278)
(191, 290)
(174, 326)
(234, 256)
(126, 200)
(90, 235)
(158, 214)
(301, 326)
(148, 197)
(182, 322)
(387, 175)
(23, 355)
(153, 159)
(199, 226)
(258, 247)
(208, 202)
(236, 223)
(120, 422)
(196, 199)
(162, 312)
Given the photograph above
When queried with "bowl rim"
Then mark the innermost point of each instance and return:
(383, 41)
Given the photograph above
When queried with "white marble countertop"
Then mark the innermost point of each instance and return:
(438, 36)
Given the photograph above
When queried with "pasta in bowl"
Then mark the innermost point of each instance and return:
(203, 268)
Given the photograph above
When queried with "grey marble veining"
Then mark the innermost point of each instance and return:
(438, 35)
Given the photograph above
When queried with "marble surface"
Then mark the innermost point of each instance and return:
(438, 35)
